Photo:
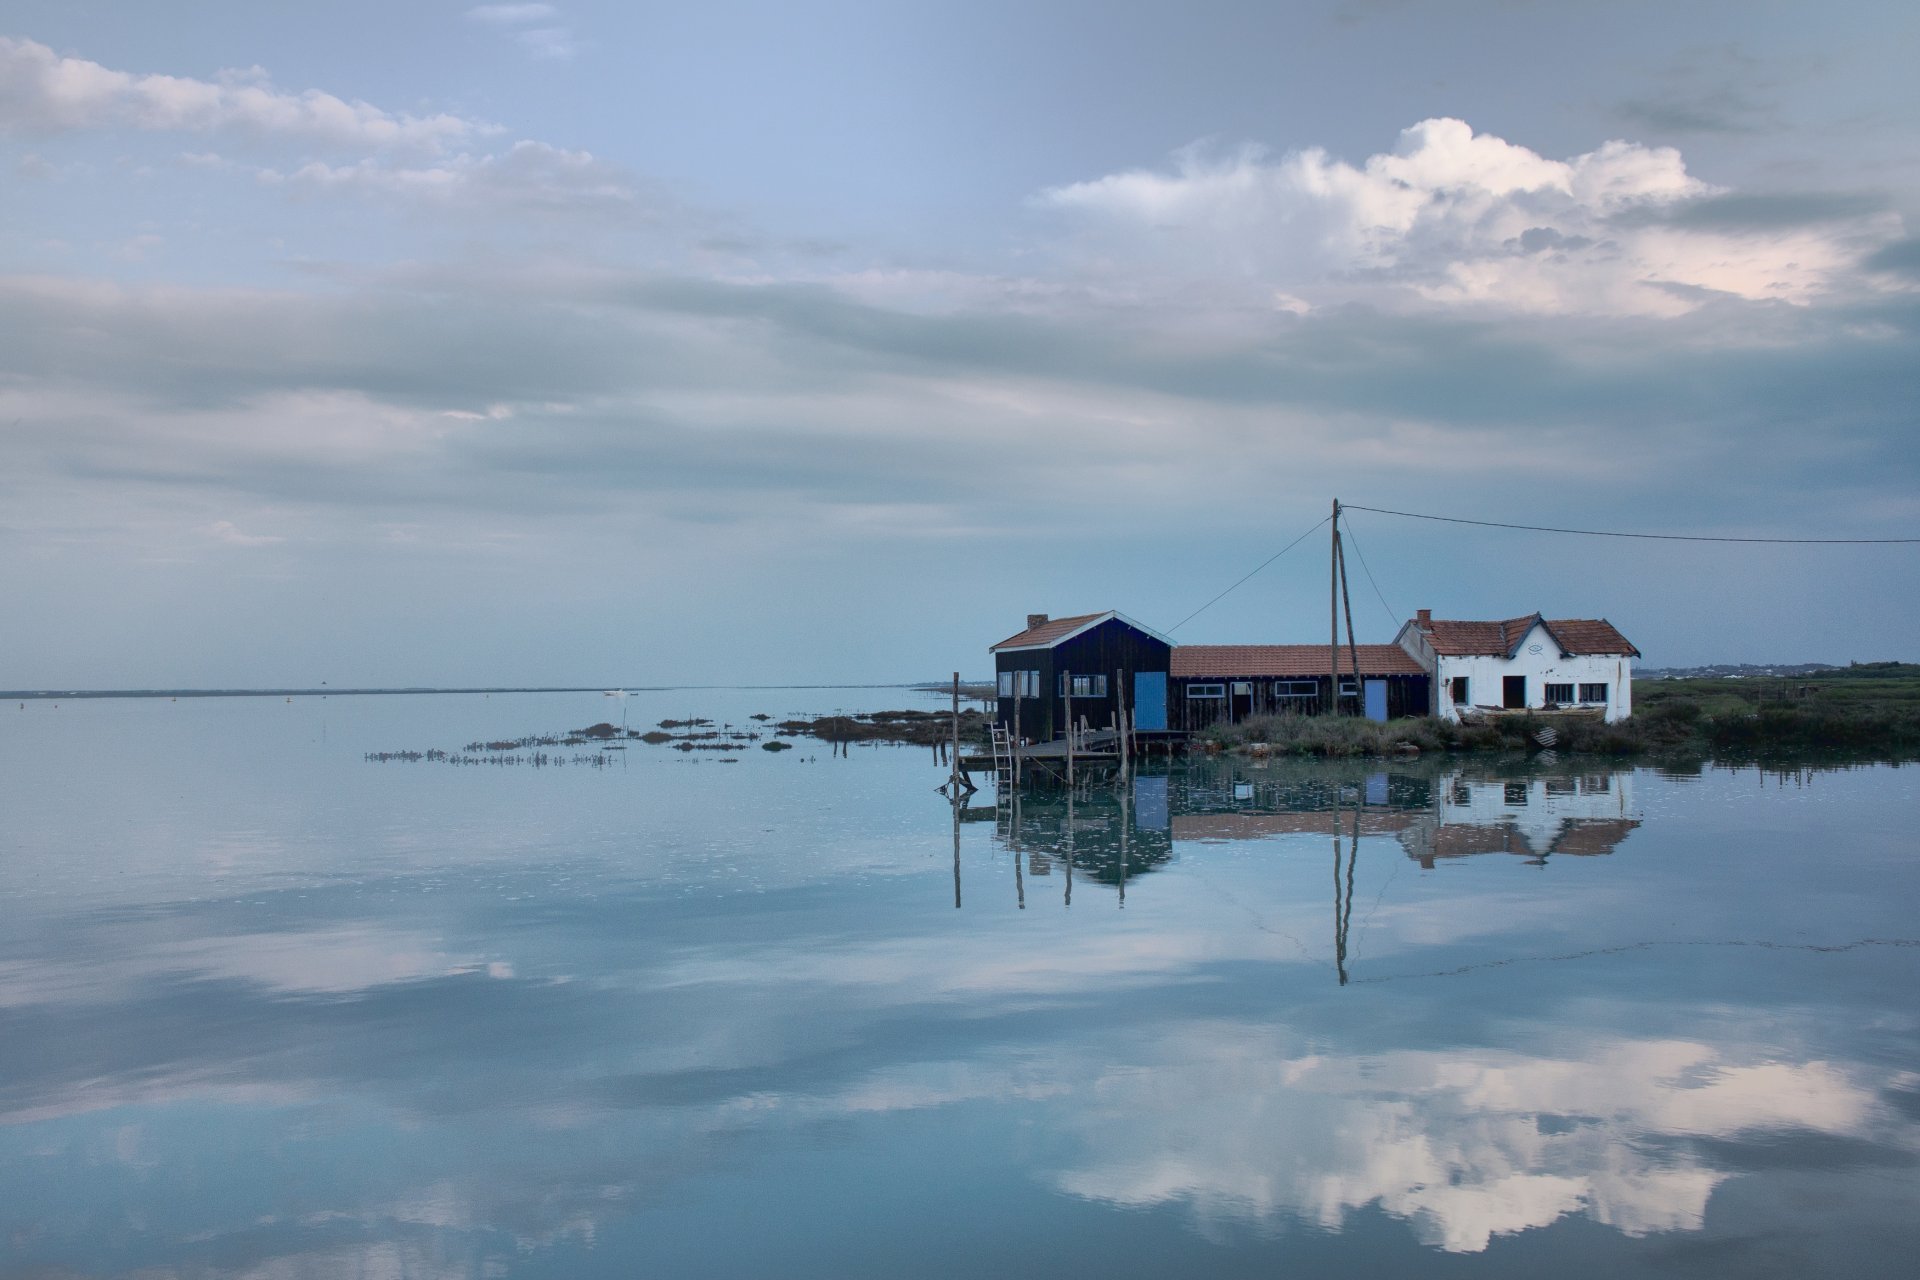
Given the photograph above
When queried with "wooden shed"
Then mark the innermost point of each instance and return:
(1093, 651)
(1210, 683)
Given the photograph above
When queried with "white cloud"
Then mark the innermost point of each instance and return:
(44, 92)
(1452, 216)
(226, 531)
(512, 15)
(527, 174)
(534, 26)
(548, 42)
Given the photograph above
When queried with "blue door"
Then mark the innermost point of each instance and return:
(1377, 700)
(1150, 700)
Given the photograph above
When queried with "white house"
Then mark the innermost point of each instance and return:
(1521, 663)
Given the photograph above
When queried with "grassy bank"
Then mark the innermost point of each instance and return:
(1869, 708)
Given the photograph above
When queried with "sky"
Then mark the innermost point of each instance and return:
(424, 343)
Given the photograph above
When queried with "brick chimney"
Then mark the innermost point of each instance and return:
(1036, 620)
(1424, 618)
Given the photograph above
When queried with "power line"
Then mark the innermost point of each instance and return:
(1257, 568)
(1610, 533)
(1392, 617)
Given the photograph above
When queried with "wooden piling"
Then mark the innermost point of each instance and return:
(957, 775)
(1067, 691)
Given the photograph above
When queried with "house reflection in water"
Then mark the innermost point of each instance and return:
(1105, 834)
(1570, 814)
(1112, 835)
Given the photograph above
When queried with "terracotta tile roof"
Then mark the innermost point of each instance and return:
(1253, 660)
(1590, 635)
(1047, 632)
(1460, 639)
(1456, 638)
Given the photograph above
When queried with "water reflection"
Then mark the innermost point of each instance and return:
(1114, 829)
(1466, 1145)
(730, 1022)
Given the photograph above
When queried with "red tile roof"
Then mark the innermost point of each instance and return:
(1456, 638)
(1502, 639)
(1251, 660)
(1590, 635)
(1047, 632)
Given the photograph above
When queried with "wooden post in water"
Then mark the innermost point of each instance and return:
(1014, 743)
(1066, 688)
(1120, 721)
(958, 804)
(957, 775)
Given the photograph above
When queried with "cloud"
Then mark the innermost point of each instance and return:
(528, 176)
(225, 531)
(523, 390)
(1459, 218)
(512, 15)
(42, 92)
(1466, 1145)
(1901, 258)
(533, 26)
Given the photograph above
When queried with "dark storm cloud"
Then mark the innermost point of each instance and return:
(1899, 258)
(1762, 211)
(633, 383)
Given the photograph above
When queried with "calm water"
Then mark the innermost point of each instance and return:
(267, 1009)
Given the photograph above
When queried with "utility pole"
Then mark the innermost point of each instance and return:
(1333, 615)
(1353, 647)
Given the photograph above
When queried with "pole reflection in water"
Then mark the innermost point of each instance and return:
(1116, 830)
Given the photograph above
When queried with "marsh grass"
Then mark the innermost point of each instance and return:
(1864, 709)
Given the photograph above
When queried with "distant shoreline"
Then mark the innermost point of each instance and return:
(47, 695)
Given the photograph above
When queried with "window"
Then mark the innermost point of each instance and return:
(1596, 784)
(1243, 688)
(1559, 695)
(1297, 690)
(1516, 794)
(1459, 684)
(1593, 693)
(1349, 687)
(1560, 786)
(1084, 686)
(1024, 683)
(1206, 691)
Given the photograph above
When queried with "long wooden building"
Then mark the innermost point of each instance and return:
(1211, 683)
(1100, 664)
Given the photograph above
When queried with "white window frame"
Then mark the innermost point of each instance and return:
(1586, 685)
(1085, 686)
(1296, 690)
(1206, 691)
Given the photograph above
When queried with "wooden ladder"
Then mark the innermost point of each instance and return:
(1002, 759)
